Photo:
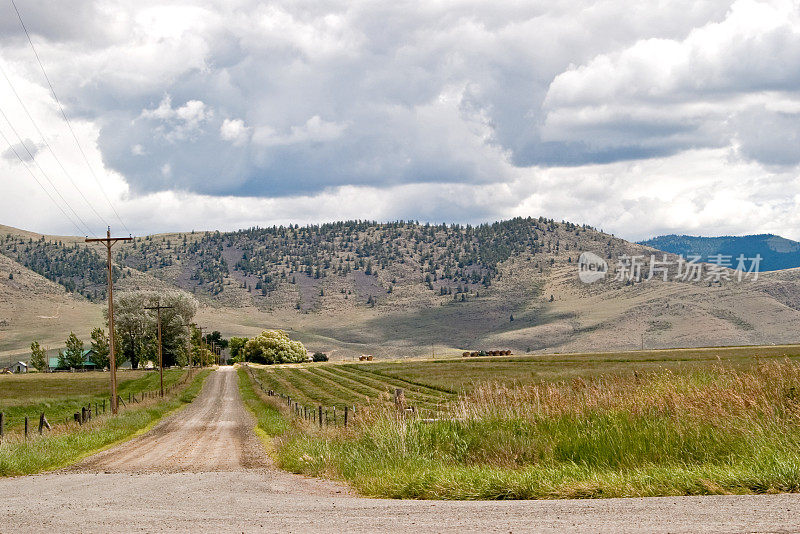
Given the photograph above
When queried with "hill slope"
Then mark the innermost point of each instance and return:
(776, 252)
(406, 289)
(34, 308)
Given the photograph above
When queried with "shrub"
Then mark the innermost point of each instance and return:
(320, 357)
(274, 346)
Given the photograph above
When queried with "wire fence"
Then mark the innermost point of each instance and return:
(98, 408)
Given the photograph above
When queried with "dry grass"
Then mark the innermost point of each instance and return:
(719, 430)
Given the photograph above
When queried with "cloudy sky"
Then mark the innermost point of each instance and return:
(639, 118)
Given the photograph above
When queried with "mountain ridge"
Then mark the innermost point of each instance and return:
(409, 289)
(777, 253)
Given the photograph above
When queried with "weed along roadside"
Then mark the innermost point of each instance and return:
(69, 442)
(713, 431)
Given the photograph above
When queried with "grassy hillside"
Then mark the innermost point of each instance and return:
(34, 308)
(351, 264)
(396, 290)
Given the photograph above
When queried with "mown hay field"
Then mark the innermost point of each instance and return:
(59, 395)
(429, 385)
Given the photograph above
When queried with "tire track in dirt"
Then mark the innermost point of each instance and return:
(214, 433)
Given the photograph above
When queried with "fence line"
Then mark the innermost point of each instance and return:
(85, 414)
(320, 414)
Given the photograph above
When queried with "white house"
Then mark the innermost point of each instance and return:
(19, 367)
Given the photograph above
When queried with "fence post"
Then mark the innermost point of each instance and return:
(334, 415)
(26, 427)
(43, 423)
(345, 416)
(104, 405)
(320, 416)
(2, 417)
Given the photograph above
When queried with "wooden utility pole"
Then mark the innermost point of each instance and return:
(189, 345)
(109, 242)
(202, 343)
(158, 309)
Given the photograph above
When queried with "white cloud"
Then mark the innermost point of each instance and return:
(234, 130)
(314, 130)
(181, 123)
(640, 118)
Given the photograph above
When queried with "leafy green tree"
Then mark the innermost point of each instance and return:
(100, 348)
(130, 322)
(72, 355)
(320, 357)
(38, 357)
(274, 346)
(216, 337)
(138, 327)
(236, 344)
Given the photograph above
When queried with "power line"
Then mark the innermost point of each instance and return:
(21, 160)
(33, 159)
(63, 114)
(52, 152)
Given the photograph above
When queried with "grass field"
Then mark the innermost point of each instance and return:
(59, 395)
(430, 385)
(67, 444)
(675, 422)
(349, 385)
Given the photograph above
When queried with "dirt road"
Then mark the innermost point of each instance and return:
(214, 433)
(203, 470)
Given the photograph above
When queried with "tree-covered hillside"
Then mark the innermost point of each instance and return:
(776, 252)
(77, 267)
(351, 263)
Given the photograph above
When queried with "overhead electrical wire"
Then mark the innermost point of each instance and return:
(22, 160)
(50, 149)
(64, 115)
(33, 159)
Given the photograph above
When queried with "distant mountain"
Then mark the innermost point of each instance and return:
(777, 253)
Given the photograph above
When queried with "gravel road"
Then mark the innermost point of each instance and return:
(203, 470)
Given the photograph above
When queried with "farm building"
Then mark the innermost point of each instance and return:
(54, 363)
(19, 367)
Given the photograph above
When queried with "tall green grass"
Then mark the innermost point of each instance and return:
(717, 430)
(40, 393)
(269, 421)
(67, 446)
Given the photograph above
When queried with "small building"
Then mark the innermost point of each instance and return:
(54, 362)
(19, 367)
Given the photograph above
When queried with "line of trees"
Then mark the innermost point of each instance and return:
(136, 334)
(137, 328)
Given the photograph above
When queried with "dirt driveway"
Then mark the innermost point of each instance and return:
(203, 470)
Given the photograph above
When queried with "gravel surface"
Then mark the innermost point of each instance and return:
(203, 470)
